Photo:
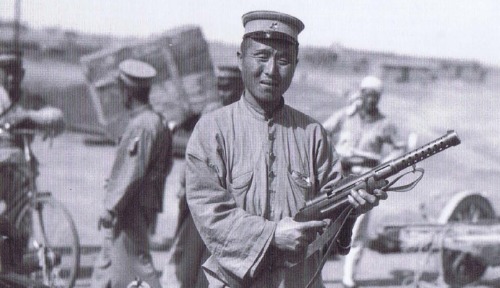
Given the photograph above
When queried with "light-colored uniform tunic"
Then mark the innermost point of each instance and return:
(367, 135)
(245, 172)
(135, 192)
(351, 131)
(10, 148)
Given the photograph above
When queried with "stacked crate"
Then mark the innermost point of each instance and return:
(184, 85)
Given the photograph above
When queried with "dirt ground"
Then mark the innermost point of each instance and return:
(76, 173)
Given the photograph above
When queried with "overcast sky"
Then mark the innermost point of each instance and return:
(447, 28)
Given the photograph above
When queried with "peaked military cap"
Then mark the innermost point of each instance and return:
(136, 73)
(228, 72)
(272, 25)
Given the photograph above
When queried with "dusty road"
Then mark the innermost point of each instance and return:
(75, 174)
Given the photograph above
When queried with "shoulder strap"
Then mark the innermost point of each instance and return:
(162, 118)
(170, 136)
(329, 238)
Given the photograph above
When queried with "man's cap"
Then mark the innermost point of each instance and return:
(372, 83)
(228, 72)
(272, 25)
(7, 60)
(136, 73)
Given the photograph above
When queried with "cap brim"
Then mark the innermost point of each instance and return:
(271, 35)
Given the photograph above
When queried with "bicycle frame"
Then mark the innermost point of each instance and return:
(46, 261)
(31, 208)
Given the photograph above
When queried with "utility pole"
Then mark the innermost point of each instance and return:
(18, 65)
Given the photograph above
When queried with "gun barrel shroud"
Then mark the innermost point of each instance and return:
(329, 204)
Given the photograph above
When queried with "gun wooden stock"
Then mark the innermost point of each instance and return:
(329, 205)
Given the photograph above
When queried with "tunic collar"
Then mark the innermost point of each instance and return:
(258, 112)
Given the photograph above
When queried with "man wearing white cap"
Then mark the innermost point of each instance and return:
(361, 132)
(134, 191)
(253, 164)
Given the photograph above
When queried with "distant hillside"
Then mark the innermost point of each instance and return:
(68, 45)
(54, 73)
(389, 66)
(56, 43)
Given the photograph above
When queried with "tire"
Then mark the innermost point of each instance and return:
(472, 208)
(460, 268)
(53, 226)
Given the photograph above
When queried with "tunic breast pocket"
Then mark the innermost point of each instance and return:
(301, 186)
(240, 186)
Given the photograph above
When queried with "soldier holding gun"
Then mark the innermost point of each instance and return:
(253, 164)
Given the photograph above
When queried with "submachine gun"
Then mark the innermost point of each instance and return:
(334, 204)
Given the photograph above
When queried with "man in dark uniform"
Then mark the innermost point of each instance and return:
(229, 87)
(229, 84)
(134, 192)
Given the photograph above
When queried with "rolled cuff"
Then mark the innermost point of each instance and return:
(251, 258)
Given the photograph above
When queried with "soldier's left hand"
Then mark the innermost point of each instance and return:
(362, 201)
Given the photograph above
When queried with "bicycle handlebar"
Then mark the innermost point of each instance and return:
(28, 132)
(23, 131)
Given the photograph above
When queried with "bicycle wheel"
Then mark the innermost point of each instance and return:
(51, 225)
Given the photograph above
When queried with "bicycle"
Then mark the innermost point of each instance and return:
(53, 237)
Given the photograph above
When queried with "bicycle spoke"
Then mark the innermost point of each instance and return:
(53, 228)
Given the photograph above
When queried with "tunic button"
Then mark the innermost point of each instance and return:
(270, 122)
(272, 156)
(271, 136)
(271, 174)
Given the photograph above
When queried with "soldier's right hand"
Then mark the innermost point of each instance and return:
(294, 236)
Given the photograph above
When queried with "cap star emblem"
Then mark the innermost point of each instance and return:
(274, 25)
